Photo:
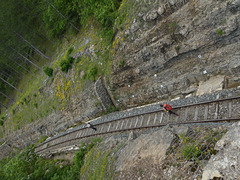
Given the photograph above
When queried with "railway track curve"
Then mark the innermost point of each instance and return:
(221, 110)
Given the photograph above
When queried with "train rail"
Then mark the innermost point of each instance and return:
(221, 110)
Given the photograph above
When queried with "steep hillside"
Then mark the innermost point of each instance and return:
(161, 50)
(172, 47)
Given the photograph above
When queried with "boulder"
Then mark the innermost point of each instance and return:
(154, 144)
(215, 83)
(225, 164)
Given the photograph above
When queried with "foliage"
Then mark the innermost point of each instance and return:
(58, 15)
(199, 150)
(70, 51)
(220, 32)
(33, 104)
(27, 24)
(77, 60)
(121, 63)
(2, 119)
(191, 152)
(43, 138)
(111, 109)
(99, 162)
(104, 11)
(65, 65)
(177, 48)
(28, 165)
(48, 71)
(78, 159)
(91, 73)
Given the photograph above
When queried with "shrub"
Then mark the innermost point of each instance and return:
(69, 51)
(177, 48)
(111, 109)
(92, 73)
(48, 71)
(1, 122)
(70, 59)
(220, 32)
(191, 152)
(77, 60)
(65, 66)
(35, 105)
(121, 63)
(43, 138)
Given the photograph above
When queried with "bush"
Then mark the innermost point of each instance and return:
(29, 165)
(92, 74)
(1, 122)
(78, 60)
(65, 66)
(48, 71)
(70, 59)
(104, 11)
(220, 32)
(191, 152)
(121, 63)
(69, 51)
(35, 105)
(111, 109)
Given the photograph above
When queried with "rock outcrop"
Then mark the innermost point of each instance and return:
(172, 47)
(226, 162)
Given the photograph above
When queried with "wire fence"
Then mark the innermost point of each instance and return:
(188, 157)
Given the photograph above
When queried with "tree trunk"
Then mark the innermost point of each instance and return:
(5, 74)
(23, 67)
(10, 85)
(26, 58)
(32, 45)
(3, 105)
(64, 17)
(16, 72)
(7, 96)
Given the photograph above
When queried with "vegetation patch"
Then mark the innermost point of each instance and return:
(2, 119)
(28, 165)
(197, 146)
(41, 96)
(220, 32)
(48, 71)
(99, 162)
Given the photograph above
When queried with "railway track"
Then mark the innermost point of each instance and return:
(222, 110)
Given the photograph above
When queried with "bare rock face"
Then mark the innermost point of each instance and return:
(225, 164)
(147, 145)
(213, 84)
(175, 45)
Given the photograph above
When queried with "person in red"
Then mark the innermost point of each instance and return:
(168, 108)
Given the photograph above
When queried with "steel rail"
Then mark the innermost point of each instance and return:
(177, 107)
(142, 127)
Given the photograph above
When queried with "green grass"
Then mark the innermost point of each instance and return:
(99, 163)
(28, 165)
(202, 148)
(220, 32)
(35, 103)
(43, 138)
(48, 71)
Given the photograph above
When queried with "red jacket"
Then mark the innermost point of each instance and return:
(167, 107)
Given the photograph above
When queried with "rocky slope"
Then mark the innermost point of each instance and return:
(168, 49)
(168, 153)
(172, 47)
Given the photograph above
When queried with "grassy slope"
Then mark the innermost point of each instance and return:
(42, 95)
